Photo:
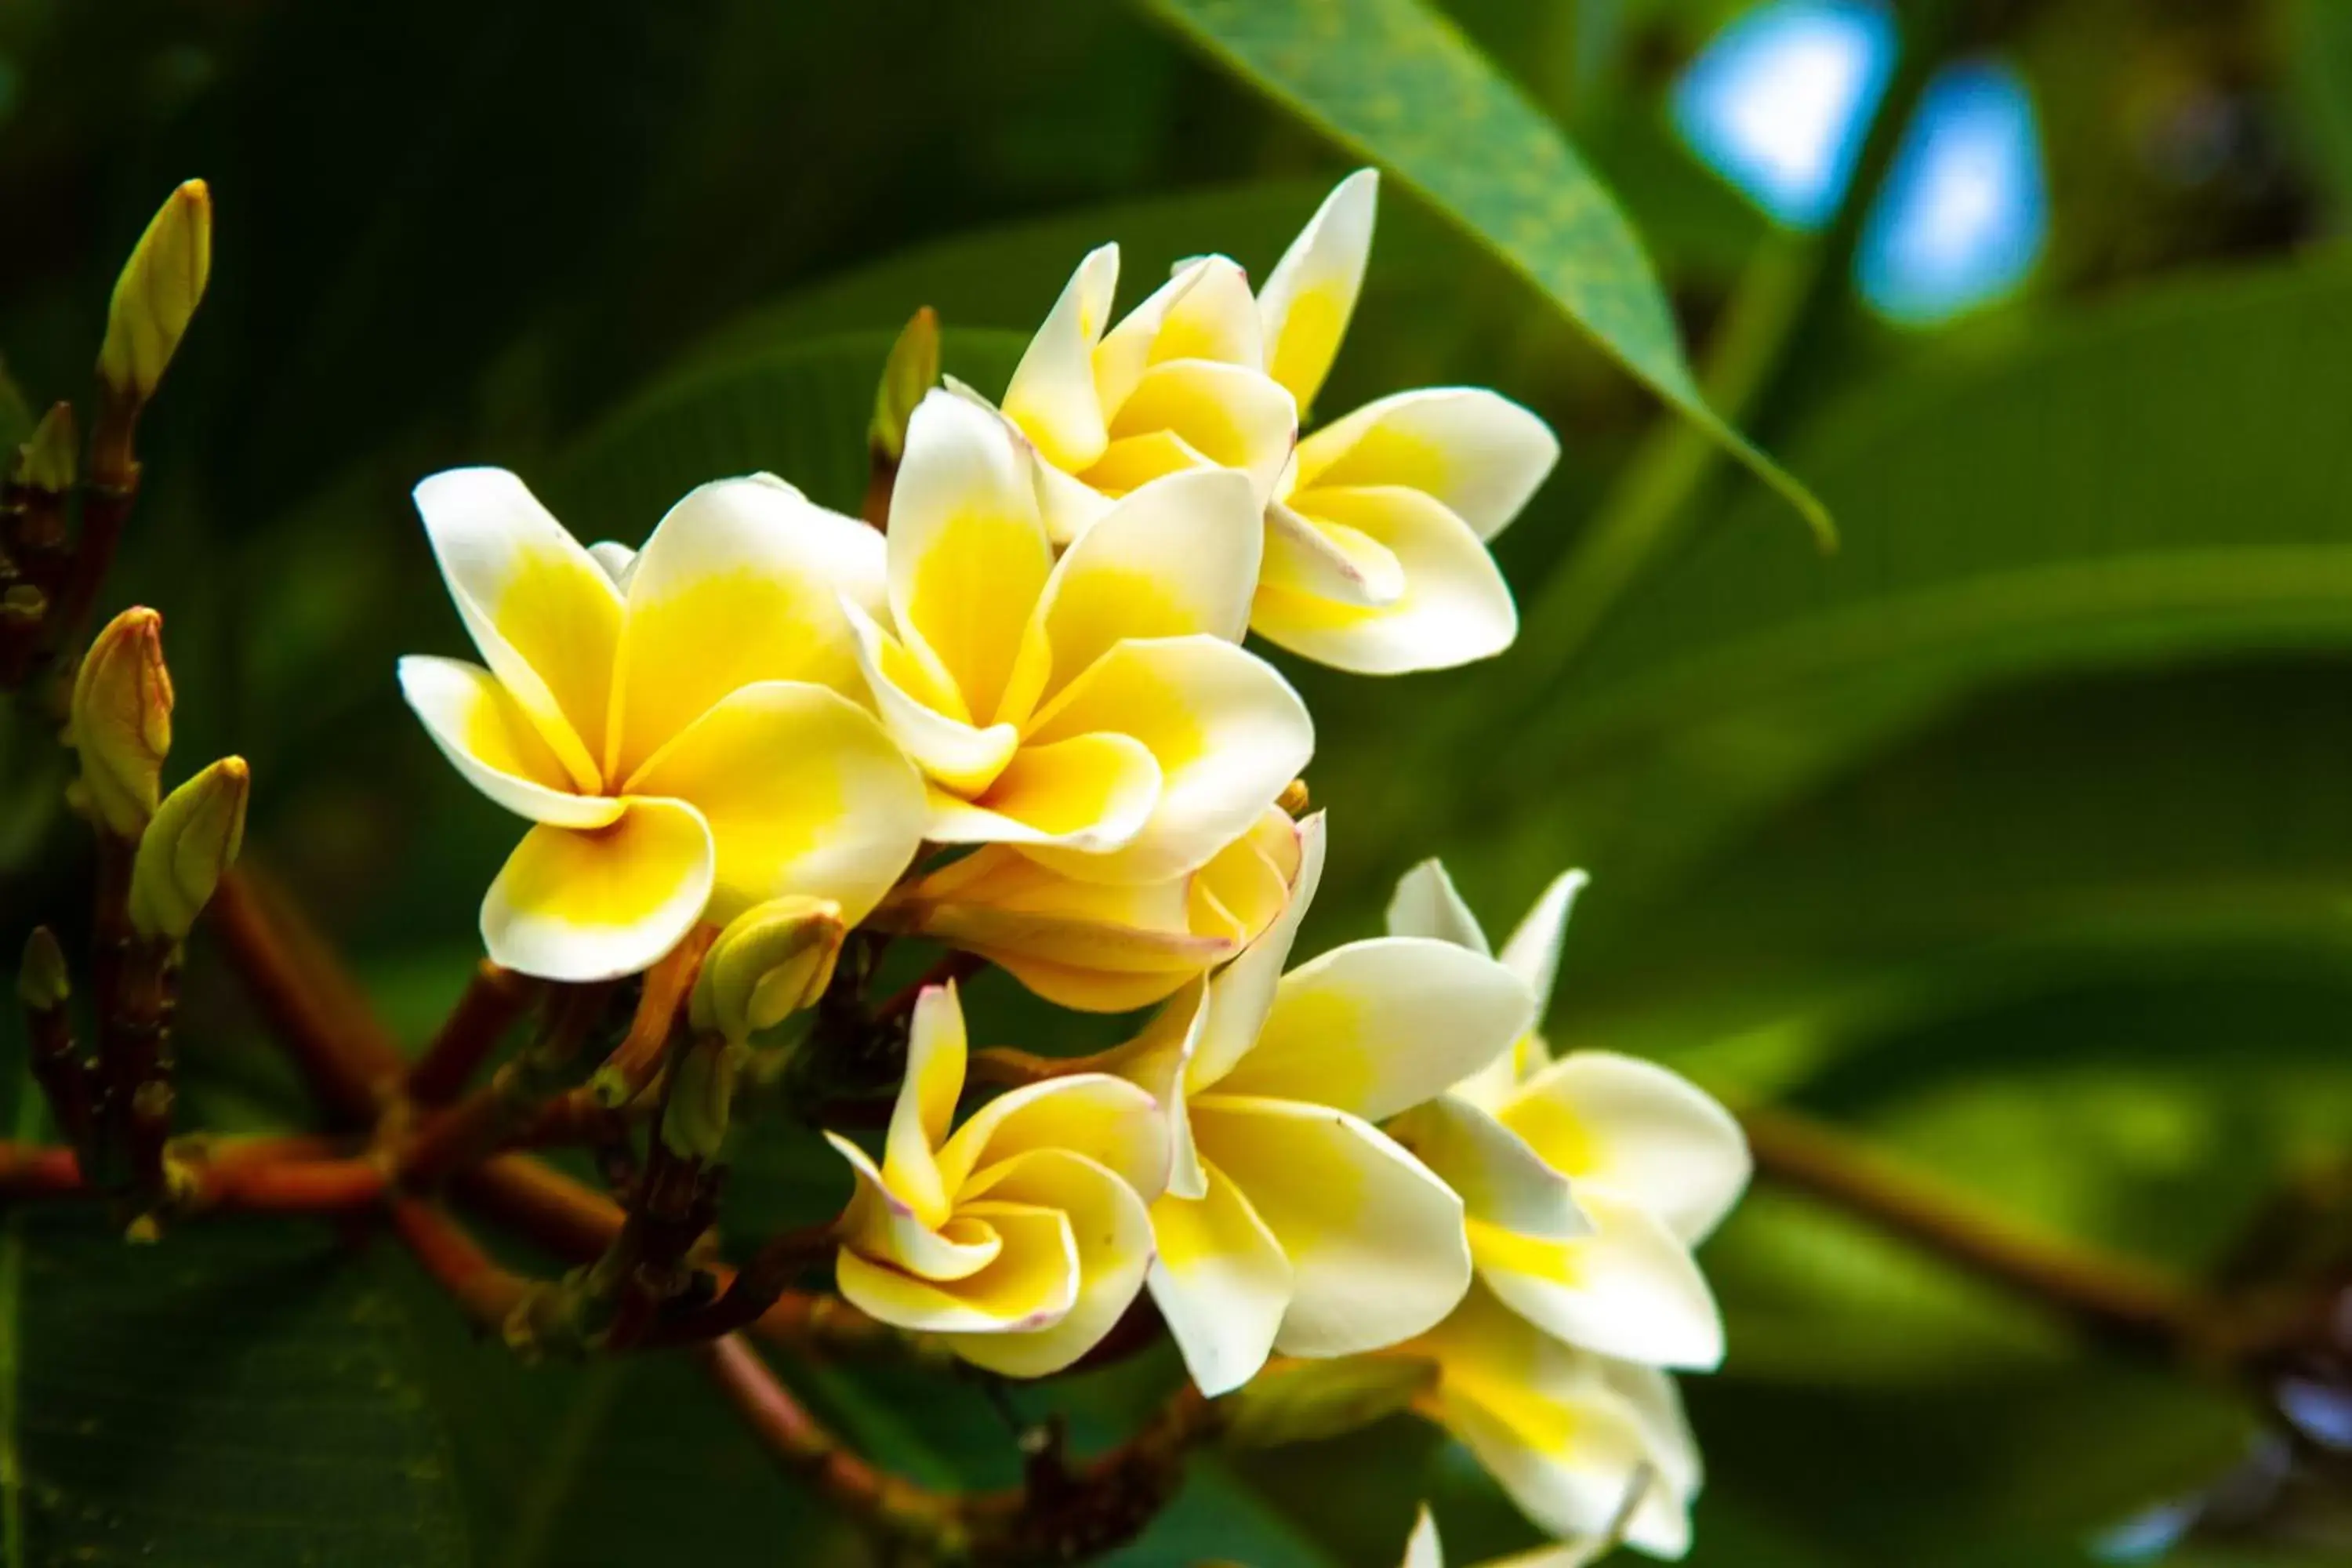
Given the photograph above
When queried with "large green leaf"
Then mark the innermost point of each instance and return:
(2151, 485)
(237, 1394)
(1394, 81)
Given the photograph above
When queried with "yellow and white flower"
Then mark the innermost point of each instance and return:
(1570, 1435)
(684, 744)
(1094, 710)
(1179, 385)
(1587, 1179)
(1103, 947)
(1024, 1235)
(1423, 1548)
(1291, 1222)
(1376, 534)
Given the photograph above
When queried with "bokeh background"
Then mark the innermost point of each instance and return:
(2014, 838)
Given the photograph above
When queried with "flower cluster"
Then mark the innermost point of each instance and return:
(1019, 720)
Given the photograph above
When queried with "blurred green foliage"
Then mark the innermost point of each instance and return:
(2014, 835)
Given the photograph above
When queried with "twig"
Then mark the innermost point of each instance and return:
(456, 1262)
(2113, 1299)
(351, 1062)
(492, 1002)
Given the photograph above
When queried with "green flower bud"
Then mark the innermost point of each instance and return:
(701, 1098)
(49, 457)
(43, 982)
(120, 720)
(912, 370)
(187, 848)
(770, 961)
(157, 294)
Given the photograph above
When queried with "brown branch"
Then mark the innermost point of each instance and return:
(478, 1124)
(2116, 1299)
(245, 1185)
(489, 1294)
(38, 1171)
(350, 1060)
(493, 1000)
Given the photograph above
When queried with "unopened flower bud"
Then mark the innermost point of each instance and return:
(48, 458)
(43, 982)
(122, 721)
(770, 961)
(187, 848)
(701, 1098)
(912, 370)
(1303, 1401)
(157, 294)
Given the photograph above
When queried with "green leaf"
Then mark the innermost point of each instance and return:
(797, 411)
(1392, 80)
(235, 1394)
(2146, 486)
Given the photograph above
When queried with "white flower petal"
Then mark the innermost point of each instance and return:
(1311, 292)
(1640, 1131)
(597, 904)
(1051, 394)
(804, 793)
(1221, 1282)
(1089, 794)
(1110, 1231)
(1423, 1550)
(923, 712)
(1128, 350)
(1533, 950)
(1115, 1125)
(1030, 1285)
(543, 613)
(1456, 608)
(1375, 1242)
(616, 559)
(1328, 561)
(743, 581)
(1231, 414)
(490, 740)
(1427, 904)
(1629, 1290)
(1241, 994)
(886, 1226)
(1503, 1183)
(1378, 1027)
(1178, 557)
(1476, 452)
(1227, 731)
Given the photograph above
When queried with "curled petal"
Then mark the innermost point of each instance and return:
(1241, 994)
(1314, 561)
(1476, 452)
(1375, 1242)
(1311, 292)
(1228, 733)
(884, 1225)
(1110, 1230)
(1427, 904)
(1051, 394)
(1378, 1027)
(490, 740)
(1640, 1131)
(1628, 1290)
(1031, 1284)
(1231, 414)
(595, 904)
(1456, 608)
(1109, 1121)
(926, 713)
(545, 616)
(1221, 1282)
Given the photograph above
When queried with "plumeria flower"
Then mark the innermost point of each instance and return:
(1376, 534)
(1103, 947)
(683, 745)
(1021, 1237)
(1423, 1548)
(1094, 710)
(1649, 1162)
(1291, 1222)
(1178, 386)
(1571, 1435)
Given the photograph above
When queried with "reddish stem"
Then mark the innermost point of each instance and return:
(34, 1171)
(353, 1063)
(458, 1264)
(494, 999)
